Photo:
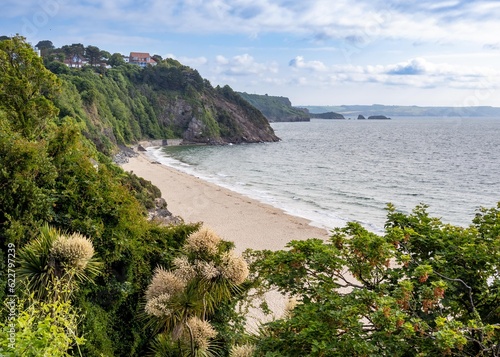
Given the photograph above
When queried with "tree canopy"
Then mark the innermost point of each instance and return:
(26, 88)
(423, 289)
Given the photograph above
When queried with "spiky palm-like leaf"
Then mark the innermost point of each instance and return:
(163, 346)
(34, 262)
(180, 306)
(41, 271)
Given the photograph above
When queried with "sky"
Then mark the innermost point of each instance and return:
(315, 52)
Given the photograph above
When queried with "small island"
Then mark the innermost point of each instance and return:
(328, 115)
(378, 117)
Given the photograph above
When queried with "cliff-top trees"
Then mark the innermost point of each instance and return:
(26, 88)
(423, 289)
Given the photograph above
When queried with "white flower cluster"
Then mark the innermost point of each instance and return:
(157, 306)
(246, 350)
(75, 250)
(233, 268)
(164, 283)
(202, 332)
(206, 270)
(203, 241)
(184, 269)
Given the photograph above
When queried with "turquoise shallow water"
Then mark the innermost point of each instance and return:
(334, 171)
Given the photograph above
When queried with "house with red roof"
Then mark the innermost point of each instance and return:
(141, 59)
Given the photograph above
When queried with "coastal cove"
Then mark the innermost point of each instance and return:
(246, 222)
(238, 237)
(237, 218)
(332, 172)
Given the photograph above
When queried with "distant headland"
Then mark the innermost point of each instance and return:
(378, 110)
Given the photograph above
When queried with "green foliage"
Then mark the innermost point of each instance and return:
(276, 108)
(93, 54)
(145, 191)
(27, 176)
(111, 106)
(116, 60)
(55, 175)
(126, 104)
(424, 288)
(41, 329)
(26, 88)
(204, 284)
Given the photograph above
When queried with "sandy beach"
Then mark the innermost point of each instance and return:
(245, 221)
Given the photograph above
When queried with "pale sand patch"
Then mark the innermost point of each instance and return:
(245, 221)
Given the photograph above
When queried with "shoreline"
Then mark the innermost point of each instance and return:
(245, 221)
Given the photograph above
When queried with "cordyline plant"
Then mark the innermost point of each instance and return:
(423, 289)
(56, 259)
(181, 301)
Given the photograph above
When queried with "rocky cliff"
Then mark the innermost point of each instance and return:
(127, 104)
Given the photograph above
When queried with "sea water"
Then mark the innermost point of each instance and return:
(335, 171)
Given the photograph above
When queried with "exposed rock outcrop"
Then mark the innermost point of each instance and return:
(123, 155)
(161, 214)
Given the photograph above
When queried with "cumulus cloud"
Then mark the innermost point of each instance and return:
(300, 63)
(427, 20)
(412, 67)
(242, 65)
(189, 61)
(416, 72)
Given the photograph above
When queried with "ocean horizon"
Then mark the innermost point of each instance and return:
(335, 171)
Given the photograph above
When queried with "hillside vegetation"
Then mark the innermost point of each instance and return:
(127, 103)
(276, 109)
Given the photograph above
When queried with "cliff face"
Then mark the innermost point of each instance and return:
(218, 116)
(276, 109)
(127, 104)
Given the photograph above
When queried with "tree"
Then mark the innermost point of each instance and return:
(423, 288)
(157, 58)
(93, 55)
(26, 88)
(44, 47)
(181, 301)
(75, 53)
(116, 60)
(105, 55)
